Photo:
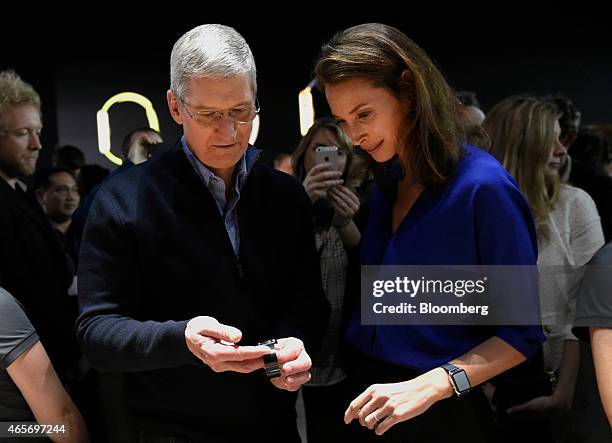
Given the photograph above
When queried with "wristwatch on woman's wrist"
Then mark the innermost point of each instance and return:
(459, 379)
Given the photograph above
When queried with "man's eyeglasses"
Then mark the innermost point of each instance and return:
(239, 115)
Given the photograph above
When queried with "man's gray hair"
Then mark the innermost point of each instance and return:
(216, 51)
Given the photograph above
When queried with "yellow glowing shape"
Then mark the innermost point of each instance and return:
(254, 130)
(306, 110)
(104, 131)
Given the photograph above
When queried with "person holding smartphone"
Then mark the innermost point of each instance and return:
(330, 176)
(331, 173)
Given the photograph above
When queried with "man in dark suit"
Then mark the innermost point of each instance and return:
(33, 264)
(191, 259)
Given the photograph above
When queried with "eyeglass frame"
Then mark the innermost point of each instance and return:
(219, 115)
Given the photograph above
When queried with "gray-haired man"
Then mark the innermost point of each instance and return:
(181, 275)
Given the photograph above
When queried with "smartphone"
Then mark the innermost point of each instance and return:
(326, 154)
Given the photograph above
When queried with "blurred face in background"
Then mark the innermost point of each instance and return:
(284, 165)
(61, 198)
(323, 137)
(20, 140)
(557, 154)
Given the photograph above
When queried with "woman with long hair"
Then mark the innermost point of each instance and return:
(442, 202)
(525, 136)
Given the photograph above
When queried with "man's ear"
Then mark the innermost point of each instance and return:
(174, 107)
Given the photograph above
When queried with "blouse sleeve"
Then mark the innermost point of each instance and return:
(506, 235)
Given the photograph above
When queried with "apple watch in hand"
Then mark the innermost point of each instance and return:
(270, 360)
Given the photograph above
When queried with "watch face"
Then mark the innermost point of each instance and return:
(461, 381)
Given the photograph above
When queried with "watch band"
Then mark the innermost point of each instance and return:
(271, 360)
(459, 379)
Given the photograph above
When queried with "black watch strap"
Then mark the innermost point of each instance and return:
(270, 360)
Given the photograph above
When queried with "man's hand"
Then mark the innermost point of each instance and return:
(204, 336)
(294, 362)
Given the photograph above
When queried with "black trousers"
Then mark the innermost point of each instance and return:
(269, 432)
(466, 419)
(325, 406)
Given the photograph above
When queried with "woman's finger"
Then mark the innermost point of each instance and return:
(352, 411)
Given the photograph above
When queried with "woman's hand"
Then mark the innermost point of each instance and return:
(381, 406)
(345, 203)
(320, 178)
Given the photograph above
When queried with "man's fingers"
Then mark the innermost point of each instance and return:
(226, 353)
(293, 382)
(210, 327)
(289, 352)
(302, 363)
(244, 367)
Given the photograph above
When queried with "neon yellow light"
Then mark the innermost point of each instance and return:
(254, 130)
(306, 110)
(104, 130)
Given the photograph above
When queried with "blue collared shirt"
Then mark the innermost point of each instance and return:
(479, 218)
(216, 186)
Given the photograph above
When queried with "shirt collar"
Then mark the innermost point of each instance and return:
(244, 165)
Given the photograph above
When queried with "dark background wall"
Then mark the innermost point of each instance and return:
(76, 64)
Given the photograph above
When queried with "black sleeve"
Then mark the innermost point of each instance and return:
(108, 289)
(307, 316)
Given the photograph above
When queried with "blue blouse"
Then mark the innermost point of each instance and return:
(478, 218)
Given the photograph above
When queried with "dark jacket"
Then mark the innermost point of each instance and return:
(35, 269)
(79, 218)
(155, 254)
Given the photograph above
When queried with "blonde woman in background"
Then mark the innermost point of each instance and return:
(524, 135)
